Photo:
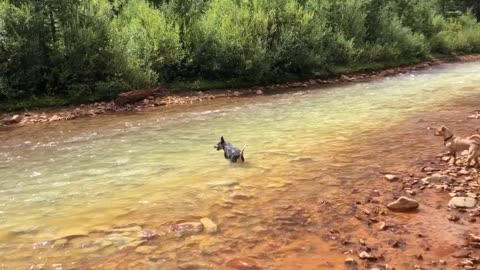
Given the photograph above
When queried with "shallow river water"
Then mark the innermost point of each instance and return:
(65, 186)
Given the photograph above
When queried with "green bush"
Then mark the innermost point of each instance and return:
(459, 35)
(84, 50)
(151, 43)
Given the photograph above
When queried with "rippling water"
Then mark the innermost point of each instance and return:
(66, 178)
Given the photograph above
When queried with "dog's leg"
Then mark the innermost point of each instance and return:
(454, 156)
(469, 160)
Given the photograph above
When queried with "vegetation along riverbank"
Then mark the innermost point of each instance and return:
(149, 99)
(72, 52)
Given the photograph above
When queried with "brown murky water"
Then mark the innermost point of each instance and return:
(78, 194)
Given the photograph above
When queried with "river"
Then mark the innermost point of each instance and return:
(86, 176)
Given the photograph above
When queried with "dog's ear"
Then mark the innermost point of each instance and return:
(222, 140)
(443, 128)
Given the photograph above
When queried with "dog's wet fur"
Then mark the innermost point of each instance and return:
(458, 144)
(230, 152)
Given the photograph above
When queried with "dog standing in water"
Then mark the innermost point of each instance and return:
(458, 144)
(230, 152)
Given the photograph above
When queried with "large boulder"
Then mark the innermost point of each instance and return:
(134, 96)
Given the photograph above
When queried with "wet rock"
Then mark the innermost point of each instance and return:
(55, 118)
(411, 192)
(471, 195)
(462, 202)
(466, 262)
(382, 226)
(194, 266)
(350, 262)
(240, 196)
(366, 256)
(243, 264)
(11, 120)
(418, 257)
(391, 177)
(133, 96)
(403, 204)
(186, 228)
(454, 218)
(461, 254)
(345, 78)
(147, 234)
(145, 249)
(228, 183)
(429, 169)
(209, 225)
(259, 92)
(436, 178)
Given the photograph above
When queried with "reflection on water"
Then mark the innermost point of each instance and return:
(65, 179)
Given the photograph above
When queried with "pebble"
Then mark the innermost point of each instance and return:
(391, 177)
(366, 256)
(350, 261)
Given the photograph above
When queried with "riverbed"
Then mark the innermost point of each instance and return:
(66, 187)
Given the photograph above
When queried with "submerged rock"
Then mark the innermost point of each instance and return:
(403, 204)
(462, 202)
(187, 228)
(227, 183)
(209, 225)
(243, 264)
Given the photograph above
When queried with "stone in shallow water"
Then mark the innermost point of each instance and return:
(243, 264)
(462, 202)
(186, 228)
(403, 204)
(209, 225)
(228, 183)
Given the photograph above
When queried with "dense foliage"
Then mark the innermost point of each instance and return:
(91, 49)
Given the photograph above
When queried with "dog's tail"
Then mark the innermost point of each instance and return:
(476, 138)
(243, 149)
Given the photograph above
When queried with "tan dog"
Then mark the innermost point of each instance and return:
(457, 144)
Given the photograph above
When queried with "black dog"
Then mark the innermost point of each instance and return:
(230, 152)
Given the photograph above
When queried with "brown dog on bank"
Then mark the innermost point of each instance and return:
(458, 144)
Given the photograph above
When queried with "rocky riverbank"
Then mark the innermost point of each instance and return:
(149, 99)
